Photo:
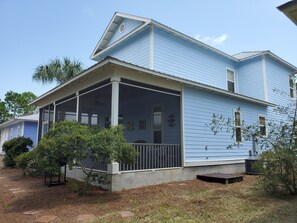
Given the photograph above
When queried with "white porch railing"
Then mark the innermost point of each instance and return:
(154, 156)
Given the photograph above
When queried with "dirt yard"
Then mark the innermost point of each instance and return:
(26, 199)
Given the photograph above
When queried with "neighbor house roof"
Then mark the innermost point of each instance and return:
(116, 62)
(31, 117)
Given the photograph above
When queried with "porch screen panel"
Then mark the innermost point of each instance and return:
(45, 120)
(66, 110)
(95, 106)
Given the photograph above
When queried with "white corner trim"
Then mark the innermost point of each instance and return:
(264, 78)
(152, 47)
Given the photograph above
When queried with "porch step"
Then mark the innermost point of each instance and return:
(220, 178)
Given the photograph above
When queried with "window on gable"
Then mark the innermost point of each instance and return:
(237, 126)
(262, 125)
(230, 80)
(291, 88)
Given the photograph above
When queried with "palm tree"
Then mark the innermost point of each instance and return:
(57, 70)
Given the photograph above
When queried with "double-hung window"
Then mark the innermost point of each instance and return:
(230, 80)
(262, 125)
(237, 126)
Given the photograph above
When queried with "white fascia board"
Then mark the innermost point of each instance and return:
(10, 122)
(102, 37)
(291, 66)
(83, 73)
(274, 57)
(119, 41)
(191, 39)
(128, 16)
(192, 83)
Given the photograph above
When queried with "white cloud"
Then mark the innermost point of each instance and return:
(88, 12)
(212, 40)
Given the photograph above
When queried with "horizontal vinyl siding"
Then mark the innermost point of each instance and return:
(135, 50)
(30, 131)
(199, 107)
(184, 59)
(250, 78)
(277, 86)
(131, 25)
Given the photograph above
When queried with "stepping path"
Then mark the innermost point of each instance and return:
(46, 219)
(85, 217)
(33, 212)
(16, 190)
(126, 214)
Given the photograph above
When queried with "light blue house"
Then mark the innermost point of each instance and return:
(20, 126)
(164, 87)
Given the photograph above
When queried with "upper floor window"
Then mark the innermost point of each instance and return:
(291, 88)
(262, 125)
(230, 80)
(237, 126)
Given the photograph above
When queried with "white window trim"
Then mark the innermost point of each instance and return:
(235, 79)
(264, 116)
(240, 115)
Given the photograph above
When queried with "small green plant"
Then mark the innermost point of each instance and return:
(73, 187)
(13, 148)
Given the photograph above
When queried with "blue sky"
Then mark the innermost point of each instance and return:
(34, 31)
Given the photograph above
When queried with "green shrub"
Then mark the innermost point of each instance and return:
(278, 171)
(28, 163)
(70, 143)
(13, 148)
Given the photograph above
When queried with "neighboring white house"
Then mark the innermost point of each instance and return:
(20, 126)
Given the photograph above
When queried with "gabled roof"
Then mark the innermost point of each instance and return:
(112, 27)
(251, 54)
(31, 117)
(116, 20)
(116, 62)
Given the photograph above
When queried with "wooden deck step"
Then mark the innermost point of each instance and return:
(220, 178)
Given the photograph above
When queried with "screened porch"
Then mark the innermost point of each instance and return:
(151, 116)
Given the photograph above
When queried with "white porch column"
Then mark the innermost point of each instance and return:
(115, 90)
(113, 167)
